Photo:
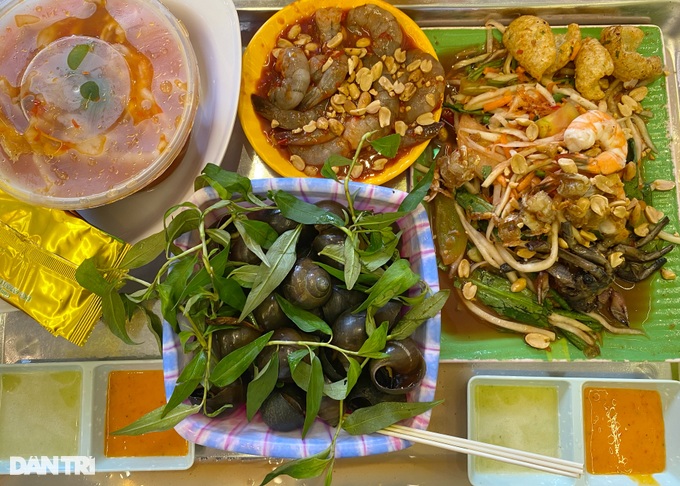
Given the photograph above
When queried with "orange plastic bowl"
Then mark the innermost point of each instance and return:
(256, 56)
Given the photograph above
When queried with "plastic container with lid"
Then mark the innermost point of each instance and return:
(97, 98)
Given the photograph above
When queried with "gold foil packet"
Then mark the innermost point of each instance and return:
(40, 250)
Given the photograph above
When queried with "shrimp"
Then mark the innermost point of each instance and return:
(290, 137)
(293, 65)
(598, 126)
(286, 119)
(357, 126)
(428, 82)
(318, 154)
(381, 26)
(328, 84)
(328, 23)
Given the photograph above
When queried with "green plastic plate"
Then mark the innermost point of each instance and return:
(657, 312)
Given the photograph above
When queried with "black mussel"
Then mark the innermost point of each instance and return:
(332, 207)
(332, 236)
(349, 330)
(365, 394)
(233, 394)
(401, 371)
(341, 300)
(282, 334)
(239, 252)
(232, 338)
(284, 409)
(269, 315)
(307, 285)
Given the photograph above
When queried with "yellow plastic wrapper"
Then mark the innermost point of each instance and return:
(40, 250)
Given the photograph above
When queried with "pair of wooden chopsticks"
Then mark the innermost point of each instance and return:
(512, 456)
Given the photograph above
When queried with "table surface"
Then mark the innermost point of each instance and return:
(24, 339)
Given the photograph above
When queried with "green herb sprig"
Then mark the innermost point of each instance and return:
(199, 289)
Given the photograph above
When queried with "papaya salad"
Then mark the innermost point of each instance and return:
(538, 180)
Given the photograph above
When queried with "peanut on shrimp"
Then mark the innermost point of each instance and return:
(597, 126)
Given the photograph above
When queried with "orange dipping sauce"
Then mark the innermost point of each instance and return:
(624, 431)
(132, 394)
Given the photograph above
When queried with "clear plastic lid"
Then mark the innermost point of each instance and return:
(97, 98)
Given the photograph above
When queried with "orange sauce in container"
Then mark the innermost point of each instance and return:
(624, 431)
(132, 394)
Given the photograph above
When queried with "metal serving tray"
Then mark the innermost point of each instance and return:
(22, 338)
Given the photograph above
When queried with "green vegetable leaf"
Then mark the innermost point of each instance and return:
(89, 277)
(114, 314)
(230, 292)
(155, 326)
(380, 220)
(250, 242)
(371, 419)
(183, 221)
(339, 390)
(418, 314)
(220, 236)
(144, 251)
(304, 468)
(77, 55)
(397, 279)
(303, 319)
(232, 366)
(388, 145)
(260, 232)
(188, 380)
(173, 286)
(155, 421)
(224, 182)
(281, 257)
(352, 263)
(314, 393)
(375, 342)
(415, 197)
(303, 212)
(261, 386)
(246, 275)
(89, 90)
(334, 161)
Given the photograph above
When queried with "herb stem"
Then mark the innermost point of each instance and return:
(319, 344)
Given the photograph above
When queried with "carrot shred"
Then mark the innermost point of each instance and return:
(524, 182)
(497, 103)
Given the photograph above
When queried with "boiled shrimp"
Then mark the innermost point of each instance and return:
(293, 65)
(286, 119)
(381, 26)
(328, 84)
(597, 126)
